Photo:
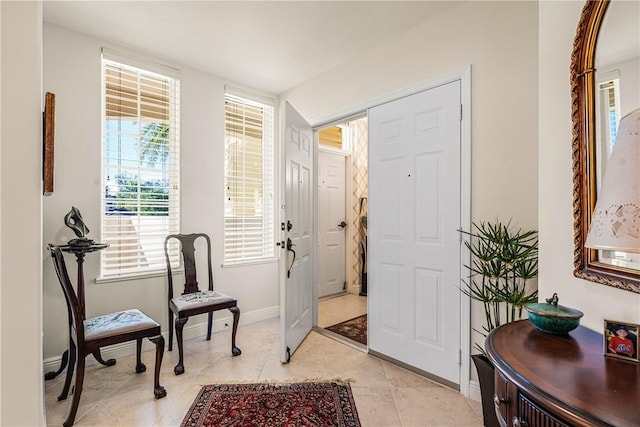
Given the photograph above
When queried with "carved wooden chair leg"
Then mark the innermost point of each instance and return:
(210, 322)
(236, 318)
(179, 369)
(110, 362)
(170, 347)
(73, 354)
(140, 367)
(158, 391)
(65, 356)
(76, 392)
(63, 363)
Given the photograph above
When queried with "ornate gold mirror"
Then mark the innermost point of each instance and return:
(605, 87)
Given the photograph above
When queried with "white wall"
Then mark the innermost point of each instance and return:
(558, 22)
(499, 40)
(20, 214)
(72, 71)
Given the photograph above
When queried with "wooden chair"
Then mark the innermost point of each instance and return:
(192, 301)
(89, 335)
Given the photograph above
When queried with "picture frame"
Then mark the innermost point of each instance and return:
(48, 130)
(621, 340)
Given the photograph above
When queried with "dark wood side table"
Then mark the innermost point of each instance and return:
(79, 249)
(550, 380)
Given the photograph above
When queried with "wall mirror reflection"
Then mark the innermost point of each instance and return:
(617, 95)
(605, 84)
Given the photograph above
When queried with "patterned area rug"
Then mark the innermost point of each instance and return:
(355, 329)
(274, 405)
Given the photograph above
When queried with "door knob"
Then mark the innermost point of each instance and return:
(290, 246)
(342, 225)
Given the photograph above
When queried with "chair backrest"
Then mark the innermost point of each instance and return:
(188, 249)
(73, 303)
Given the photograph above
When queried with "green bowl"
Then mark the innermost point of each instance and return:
(552, 318)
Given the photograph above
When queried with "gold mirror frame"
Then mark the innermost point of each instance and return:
(586, 264)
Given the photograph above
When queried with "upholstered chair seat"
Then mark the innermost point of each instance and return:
(118, 323)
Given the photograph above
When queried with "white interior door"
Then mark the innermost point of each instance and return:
(331, 223)
(414, 246)
(296, 310)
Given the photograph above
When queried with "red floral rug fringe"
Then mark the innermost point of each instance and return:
(303, 404)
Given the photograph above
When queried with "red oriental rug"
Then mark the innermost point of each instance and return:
(355, 329)
(304, 404)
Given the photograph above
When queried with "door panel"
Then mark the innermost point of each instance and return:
(414, 255)
(427, 173)
(332, 212)
(391, 276)
(296, 314)
(394, 200)
(429, 293)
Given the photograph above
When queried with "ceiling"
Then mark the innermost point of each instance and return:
(619, 37)
(269, 45)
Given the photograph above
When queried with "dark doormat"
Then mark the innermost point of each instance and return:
(355, 329)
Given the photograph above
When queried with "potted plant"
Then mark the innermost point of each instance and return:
(503, 261)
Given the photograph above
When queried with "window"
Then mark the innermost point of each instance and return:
(610, 113)
(140, 168)
(248, 206)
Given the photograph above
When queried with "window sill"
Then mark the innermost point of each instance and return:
(249, 263)
(135, 276)
(163, 273)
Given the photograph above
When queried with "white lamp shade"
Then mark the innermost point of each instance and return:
(615, 223)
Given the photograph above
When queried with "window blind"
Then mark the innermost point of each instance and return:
(140, 168)
(249, 176)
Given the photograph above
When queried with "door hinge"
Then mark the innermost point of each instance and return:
(460, 115)
(460, 357)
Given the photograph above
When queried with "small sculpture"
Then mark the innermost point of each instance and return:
(553, 300)
(74, 221)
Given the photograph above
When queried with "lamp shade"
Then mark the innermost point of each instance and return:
(615, 223)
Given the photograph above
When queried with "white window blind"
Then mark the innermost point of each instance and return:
(140, 168)
(248, 207)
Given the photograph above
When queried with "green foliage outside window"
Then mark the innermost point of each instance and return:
(146, 197)
(142, 197)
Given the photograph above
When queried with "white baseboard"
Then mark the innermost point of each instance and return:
(190, 331)
(474, 391)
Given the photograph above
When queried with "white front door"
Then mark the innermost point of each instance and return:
(296, 314)
(414, 243)
(331, 223)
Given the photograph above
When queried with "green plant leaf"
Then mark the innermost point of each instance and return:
(503, 259)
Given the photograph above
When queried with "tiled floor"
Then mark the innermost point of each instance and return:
(385, 395)
(332, 310)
